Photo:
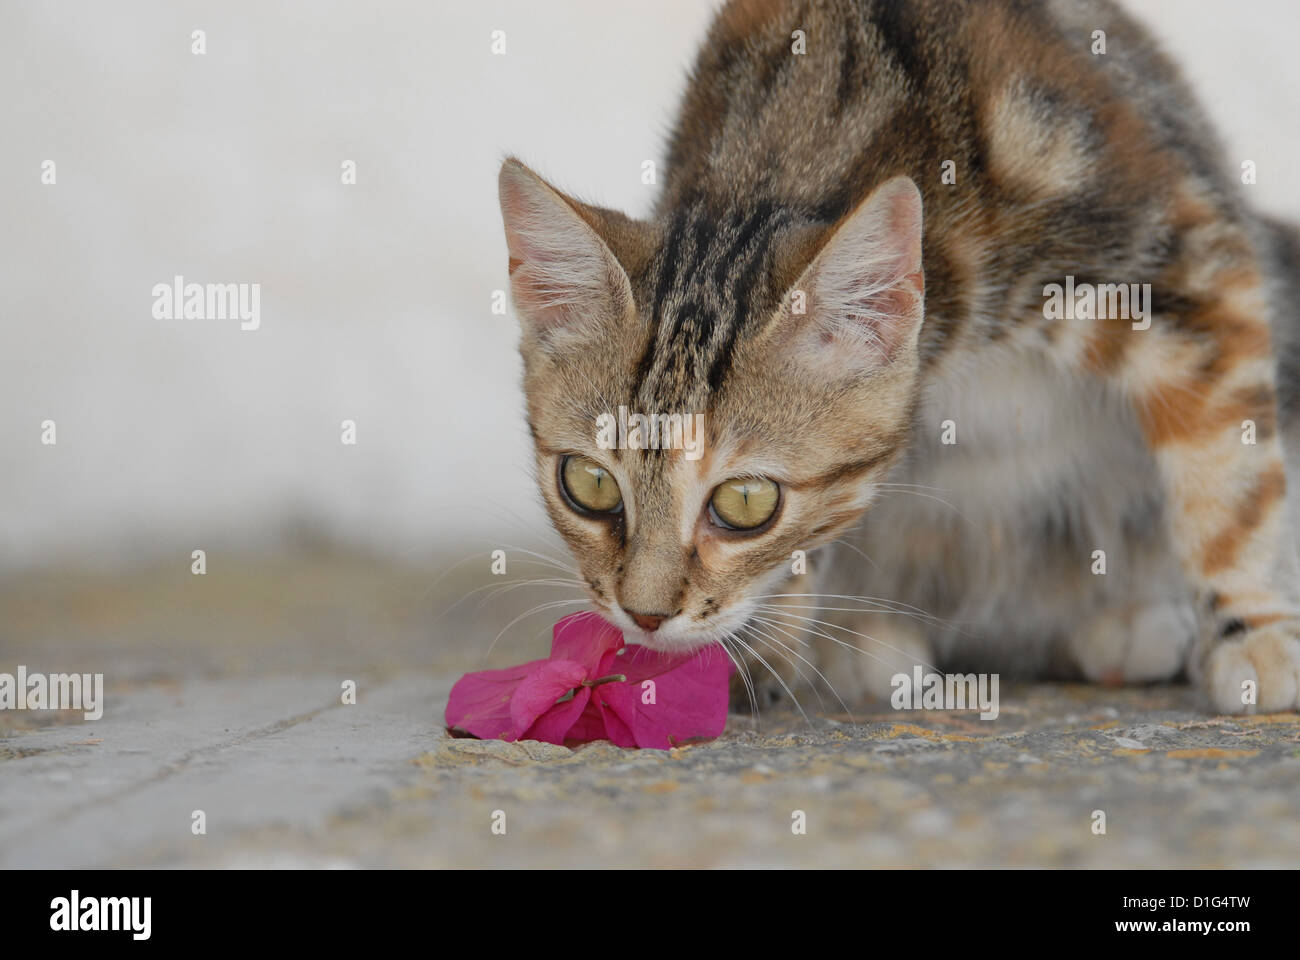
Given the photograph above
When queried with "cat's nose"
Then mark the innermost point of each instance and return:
(648, 622)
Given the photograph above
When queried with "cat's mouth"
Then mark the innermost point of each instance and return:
(673, 636)
(677, 635)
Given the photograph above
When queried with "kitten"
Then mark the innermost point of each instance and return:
(855, 272)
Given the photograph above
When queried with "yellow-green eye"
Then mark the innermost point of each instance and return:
(589, 485)
(744, 503)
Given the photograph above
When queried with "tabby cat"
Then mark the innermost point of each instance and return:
(868, 210)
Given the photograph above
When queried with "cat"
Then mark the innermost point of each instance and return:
(914, 454)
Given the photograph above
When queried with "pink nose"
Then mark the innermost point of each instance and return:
(647, 621)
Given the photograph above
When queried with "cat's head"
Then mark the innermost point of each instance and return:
(796, 343)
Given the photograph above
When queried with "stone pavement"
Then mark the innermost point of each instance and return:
(249, 727)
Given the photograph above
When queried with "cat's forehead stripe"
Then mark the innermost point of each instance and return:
(710, 279)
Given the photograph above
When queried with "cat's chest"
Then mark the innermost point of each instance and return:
(1017, 475)
(1010, 443)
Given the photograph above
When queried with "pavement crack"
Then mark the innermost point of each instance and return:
(185, 760)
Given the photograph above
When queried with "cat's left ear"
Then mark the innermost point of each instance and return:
(859, 304)
(567, 282)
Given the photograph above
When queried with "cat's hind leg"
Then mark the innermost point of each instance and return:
(1200, 377)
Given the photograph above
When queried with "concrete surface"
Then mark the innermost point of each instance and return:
(244, 721)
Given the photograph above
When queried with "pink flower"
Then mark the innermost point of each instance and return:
(592, 687)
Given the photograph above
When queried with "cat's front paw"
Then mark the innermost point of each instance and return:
(1134, 644)
(1257, 671)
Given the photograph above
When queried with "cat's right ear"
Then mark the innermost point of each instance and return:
(567, 284)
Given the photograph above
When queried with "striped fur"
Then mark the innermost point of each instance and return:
(1073, 435)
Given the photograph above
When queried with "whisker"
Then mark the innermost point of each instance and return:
(880, 605)
(923, 618)
(577, 617)
(836, 626)
(784, 652)
(833, 639)
(544, 558)
(830, 686)
(552, 561)
(784, 686)
(840, 596)
(928, 496)
(534, 554)
(503, 586)
(882, 611)
(783, 608)
(551, 605)
(742, 668)
(859, 551)
(768, 639)
(918, 486)
(446, 573)
(500, 589)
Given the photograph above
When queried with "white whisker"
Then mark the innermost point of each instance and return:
(829, 686)
(553, 604)
(836, 626)
(784, 686)
(742, 668)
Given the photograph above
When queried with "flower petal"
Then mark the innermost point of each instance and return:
(584, 638)
(539, 691)
(555, 724)
(598, 722)
(668, 700)
(480, 701)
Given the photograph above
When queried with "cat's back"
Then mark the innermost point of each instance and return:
(1021, 96)
(1046, 138)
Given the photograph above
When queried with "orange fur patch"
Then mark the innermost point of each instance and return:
(1222, 551)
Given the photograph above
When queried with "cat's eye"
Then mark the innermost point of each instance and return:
(744, 503)
(589, 486)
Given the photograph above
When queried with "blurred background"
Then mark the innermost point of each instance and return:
(177, 435)
(328, 563)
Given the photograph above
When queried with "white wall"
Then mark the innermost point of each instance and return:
(375, 297)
